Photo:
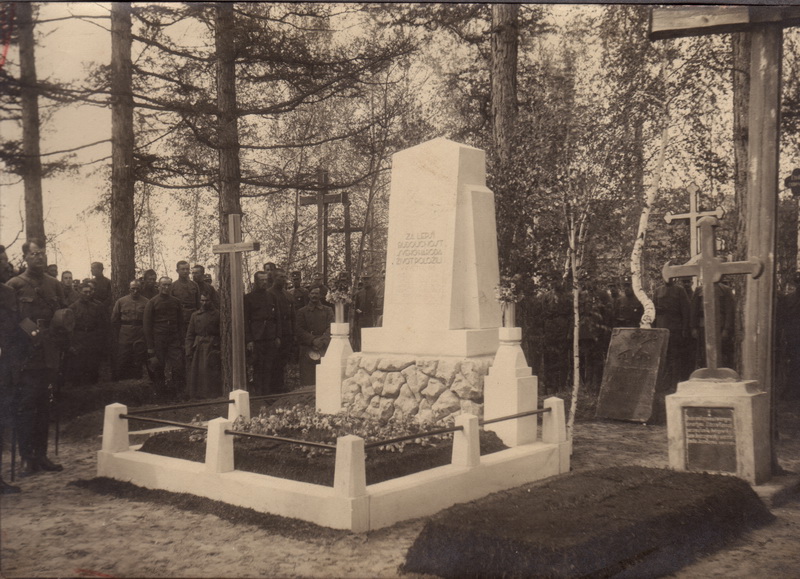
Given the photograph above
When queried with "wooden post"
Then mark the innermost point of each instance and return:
(765, 25)
(235, 249)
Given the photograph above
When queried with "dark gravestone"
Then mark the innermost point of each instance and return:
(634, 364)
(710, 439)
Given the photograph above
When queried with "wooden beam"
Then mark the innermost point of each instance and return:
(677, 22)
(313, 200)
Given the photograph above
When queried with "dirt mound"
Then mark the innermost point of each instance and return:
(632, 521)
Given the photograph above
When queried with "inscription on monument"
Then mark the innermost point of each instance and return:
(710, 439)
(419, 249)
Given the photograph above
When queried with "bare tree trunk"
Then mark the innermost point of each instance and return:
(123, 226)
(229, 169)
(740, 45)
(32, 163)
(505, 39)
(576, 324)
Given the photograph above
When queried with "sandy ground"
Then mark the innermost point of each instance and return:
(56, 530)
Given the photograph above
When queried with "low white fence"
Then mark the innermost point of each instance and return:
(350, 503)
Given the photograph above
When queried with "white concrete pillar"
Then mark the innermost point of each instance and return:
(466, 443)
(115, 429)
(350, 476)
(554, 426)
(511, 388)
(219, 446)
(331, 370)
(240, 406)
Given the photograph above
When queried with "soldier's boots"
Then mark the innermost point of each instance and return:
(48, 465)
(36, 464)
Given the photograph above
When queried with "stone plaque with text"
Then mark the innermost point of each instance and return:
(634, 364)
(710, 437)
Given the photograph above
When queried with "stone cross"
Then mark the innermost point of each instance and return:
(692, 216)
(710, 269)
(235, 249)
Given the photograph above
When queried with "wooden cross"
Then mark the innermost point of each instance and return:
(235, 249)
(765, 25)
(709, 269)
(322, 199)
(347, 230)
(692, 217)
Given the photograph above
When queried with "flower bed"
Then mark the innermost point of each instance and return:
(315, 465)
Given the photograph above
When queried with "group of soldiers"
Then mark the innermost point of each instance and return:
(61, 332)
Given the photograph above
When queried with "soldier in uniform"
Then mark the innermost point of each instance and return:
(199, 277)
(11, 340)
(262, 332)
(39, 297)
(149, 284)
(6, 271)
(102, 286)
(90, 338)
(52, 270)
(299, 293)
(283, 299)
(127, 319)
(672, 312)
(187, 293)
(203, 351)
(70, 294)
(163, 318)
(313, 334)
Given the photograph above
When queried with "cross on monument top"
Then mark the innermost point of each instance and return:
(710, 269)
(235, 248)
(693, 216)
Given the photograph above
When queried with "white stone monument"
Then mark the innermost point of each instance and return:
(441, 263)
(441, 318)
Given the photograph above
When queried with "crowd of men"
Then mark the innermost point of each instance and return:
(61, 333)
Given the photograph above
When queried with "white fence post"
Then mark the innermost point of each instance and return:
(467, 442)
(554, 426)
(115, 429)
(511, 388)
(219, 446)
(350, 476)
(240, 406)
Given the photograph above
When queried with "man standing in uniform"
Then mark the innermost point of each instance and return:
(203, 352)
(286, 310)
(149, 285)
(299, 293)
(70, 295)
(206, 289)
(313, 334)
(11, 340)
(39, 297)
(187, 293)
(262, 332)
(90, 338)
(163, 319)
(672, 313)
(6, 271)
(52, 270)
(127, 319)
(102, 286)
